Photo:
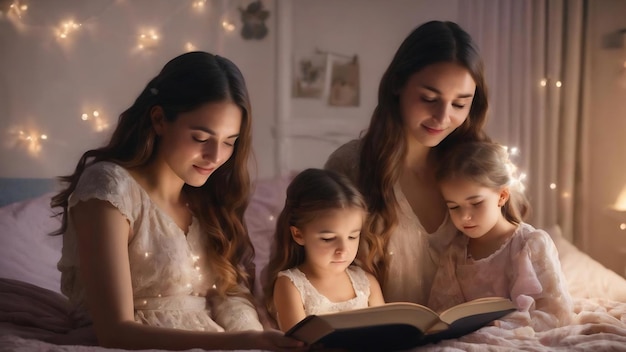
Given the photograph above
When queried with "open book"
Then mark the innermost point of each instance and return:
(398, 325)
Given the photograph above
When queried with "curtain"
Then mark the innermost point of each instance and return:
(533, 54)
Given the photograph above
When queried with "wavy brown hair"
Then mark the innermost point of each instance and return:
(487, 164)
(382, 150)
(312, 193)
(185, 83)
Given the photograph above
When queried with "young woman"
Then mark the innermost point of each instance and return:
(317, 237)
(496, 254)
(432, 95)
(155, 250)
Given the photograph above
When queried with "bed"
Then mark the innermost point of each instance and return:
(34, 316)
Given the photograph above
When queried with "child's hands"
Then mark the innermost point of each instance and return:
(274, 340)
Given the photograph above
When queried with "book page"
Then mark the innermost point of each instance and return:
(391, 313)
(477, 306)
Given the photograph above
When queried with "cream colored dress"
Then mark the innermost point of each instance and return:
(414, 252)
(316, 303)
(171, 278)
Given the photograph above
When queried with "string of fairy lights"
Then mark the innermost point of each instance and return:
(30, 138)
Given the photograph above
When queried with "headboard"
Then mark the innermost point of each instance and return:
(17, 189)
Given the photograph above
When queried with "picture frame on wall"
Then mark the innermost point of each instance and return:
(344, 82)
(310, 76)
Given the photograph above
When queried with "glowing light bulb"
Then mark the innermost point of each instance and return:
(148, 40)
(67, 28)
(622, 226)
(198, 5)
(98, 123)
(27, 139)
(228, 26)
(15, 9)
(558, 84)
(190, 47)
(553, 186)
(543, 82)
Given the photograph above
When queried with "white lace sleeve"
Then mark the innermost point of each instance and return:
(109, 182)
(235, 313)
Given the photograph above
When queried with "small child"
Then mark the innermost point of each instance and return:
(497, 254)
(317, 235)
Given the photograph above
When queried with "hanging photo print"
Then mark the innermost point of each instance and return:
(310, 76)
(253, 18)
(344, 81)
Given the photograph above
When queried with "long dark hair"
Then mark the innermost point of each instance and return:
(184, 84)
(382, 151)
(310, 194)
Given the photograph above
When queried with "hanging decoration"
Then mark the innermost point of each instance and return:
(253, 18)
(16, 8)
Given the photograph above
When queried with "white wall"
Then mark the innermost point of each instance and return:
(348, 27)
(47, 83)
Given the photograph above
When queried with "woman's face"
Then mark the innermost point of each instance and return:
(200, 141)
(435, 101)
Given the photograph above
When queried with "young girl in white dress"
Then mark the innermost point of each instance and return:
(496, 253)
(311, 269)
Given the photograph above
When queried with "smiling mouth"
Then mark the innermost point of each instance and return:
(203, 170)
(433, 130)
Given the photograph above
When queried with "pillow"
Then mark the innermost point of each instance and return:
(586, 277)
(18, 189)
(266, 203)
(27, 252)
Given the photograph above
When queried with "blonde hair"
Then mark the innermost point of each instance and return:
(488, 164)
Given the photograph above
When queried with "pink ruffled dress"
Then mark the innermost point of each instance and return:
(525, 269)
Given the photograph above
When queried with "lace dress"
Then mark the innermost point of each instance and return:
(170, 275)
(525, 269)
(414, 252)
(315, 303)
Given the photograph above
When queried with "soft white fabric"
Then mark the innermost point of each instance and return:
(525, 269)
(586, 277)
(27, 253)
(316, 303)
(414, 252)
(170, 273)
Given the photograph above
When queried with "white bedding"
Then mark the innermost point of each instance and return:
(34, 316)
